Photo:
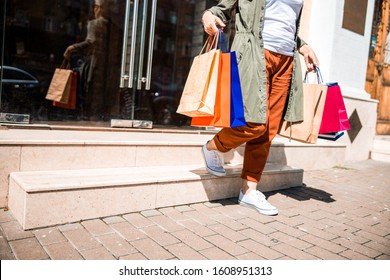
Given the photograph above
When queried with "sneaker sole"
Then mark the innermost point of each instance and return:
(261, 211)
(215, 173)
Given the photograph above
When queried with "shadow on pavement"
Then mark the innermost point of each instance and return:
(307, 193)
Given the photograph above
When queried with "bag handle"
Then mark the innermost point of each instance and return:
(318, 75)
(222, 43)
(211, 43)
(65, 64)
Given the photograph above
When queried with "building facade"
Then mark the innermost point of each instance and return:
(341, 34)
(131, 60)
(378, 70)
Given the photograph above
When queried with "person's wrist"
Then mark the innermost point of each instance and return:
(205, 14)
(304, 49)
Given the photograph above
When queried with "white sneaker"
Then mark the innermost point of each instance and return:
(258, 201)
(213, 161)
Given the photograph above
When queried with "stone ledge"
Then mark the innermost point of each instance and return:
(20, 137)
(46, 198)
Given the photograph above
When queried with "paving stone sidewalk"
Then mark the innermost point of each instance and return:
(340, 213)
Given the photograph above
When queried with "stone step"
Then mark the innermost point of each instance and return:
(381, 148)
(381, 155)
(53, 150)
(382, 142)
(46, 198)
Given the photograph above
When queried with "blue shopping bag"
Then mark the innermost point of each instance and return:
(237, 117)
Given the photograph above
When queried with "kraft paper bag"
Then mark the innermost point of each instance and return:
(199, 93)
(71, 104)
(221, 116)
(60, 85)
(307, 131)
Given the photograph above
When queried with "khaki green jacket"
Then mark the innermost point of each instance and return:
(249, 48)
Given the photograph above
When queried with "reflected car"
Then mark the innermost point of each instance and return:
(20, 91)
(165, 103)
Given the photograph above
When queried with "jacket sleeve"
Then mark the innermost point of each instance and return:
(300, 42)
(82, 45)
(89, 40)
(223, 9)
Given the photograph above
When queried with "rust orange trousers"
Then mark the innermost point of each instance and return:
(258, 136)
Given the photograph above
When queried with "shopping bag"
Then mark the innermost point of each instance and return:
(237, 117)
(332, 136)
(314, 100)
(221, 116)
(229, 108)
(60, 84)
(199, 93)
(72, 95)
(335, 117)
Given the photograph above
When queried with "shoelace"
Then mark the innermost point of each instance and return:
(262, 198)
(260, 195)
(216, 159)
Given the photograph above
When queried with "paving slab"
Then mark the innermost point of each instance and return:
(340, 213)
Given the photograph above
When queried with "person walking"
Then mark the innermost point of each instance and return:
(267, 46)
(94, 68)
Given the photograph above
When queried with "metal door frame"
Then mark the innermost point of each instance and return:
(128, 78)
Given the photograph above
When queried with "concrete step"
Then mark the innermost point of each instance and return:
(46, 198)
(54, 149)
(381, 148)
(380, 155)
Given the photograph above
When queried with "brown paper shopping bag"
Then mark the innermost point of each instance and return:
(307, 131)
(72, 95)
(199, 93)
(60, 85)
(221, 116)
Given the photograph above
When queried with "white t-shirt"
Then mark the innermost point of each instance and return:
(280, 25)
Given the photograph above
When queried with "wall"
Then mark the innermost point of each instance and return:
(343, 56)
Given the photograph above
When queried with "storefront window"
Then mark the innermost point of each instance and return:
(91, 34)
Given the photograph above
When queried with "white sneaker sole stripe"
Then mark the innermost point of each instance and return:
(261, 211)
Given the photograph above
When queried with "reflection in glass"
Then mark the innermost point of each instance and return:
(90, 34)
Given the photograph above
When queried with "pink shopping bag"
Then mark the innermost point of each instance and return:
(335, 117)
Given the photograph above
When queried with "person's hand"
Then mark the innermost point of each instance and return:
(68, 52)
(309, 57)
(210, 23)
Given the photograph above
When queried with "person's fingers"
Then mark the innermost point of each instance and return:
(310, 57)
(210, 28)
(311, 61)
(310, 67)
(314, 59)
(210, 23)
(68, 52)
(219, 22)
